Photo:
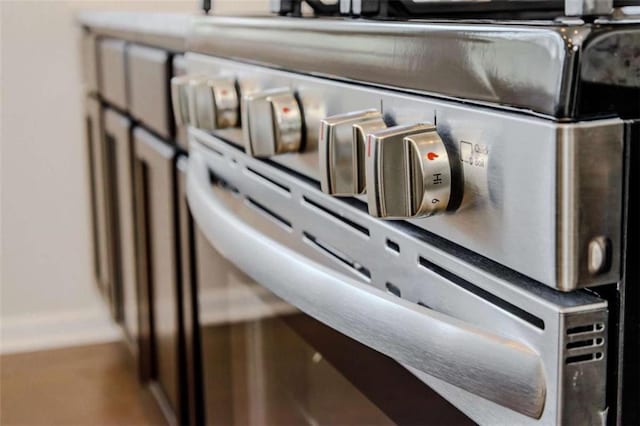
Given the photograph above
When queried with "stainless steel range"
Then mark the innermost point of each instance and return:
(393, 197)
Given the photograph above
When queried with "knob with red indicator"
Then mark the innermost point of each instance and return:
(410, 173)
(215, 103)
(272, 123)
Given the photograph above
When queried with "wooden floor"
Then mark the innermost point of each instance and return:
(89, 385)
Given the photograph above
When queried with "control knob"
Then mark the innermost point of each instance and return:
(215, 103)
(272, 123)
(410, 173)
(341, 151)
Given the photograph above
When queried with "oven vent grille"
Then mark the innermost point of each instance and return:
(585, 343)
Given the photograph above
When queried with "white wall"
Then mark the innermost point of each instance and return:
(48, 296)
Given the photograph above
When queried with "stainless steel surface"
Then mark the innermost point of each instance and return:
(272, 123)
(499, 369)
(216, 103)
(118, 128)
(589, 178)
(180, 98)
(533, 188)
(341, 246)
(148, 73)
(408, 172)
(341, 151)
(588, 7)
(165, 30)
(112, 79)
(528, 66)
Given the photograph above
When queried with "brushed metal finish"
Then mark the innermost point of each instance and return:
(589, 164)
(148, 72)
(588, 7)
(165, 30)
(216, 103)
(408, 172)
(447, 348)
(180, 98)
(350, 233)
(112, 79)
(474, 61)
(272, 123)
(512, 166)
(341, 145)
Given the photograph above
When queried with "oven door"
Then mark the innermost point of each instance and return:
(312, 312)
(267, 363)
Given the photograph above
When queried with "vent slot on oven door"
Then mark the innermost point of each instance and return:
(566, 330)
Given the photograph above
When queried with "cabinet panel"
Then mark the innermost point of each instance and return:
(119, 154)
(160, 310)
(112, 77)
(148, 70)
(191, 371)
(99, 196)
(89, 62)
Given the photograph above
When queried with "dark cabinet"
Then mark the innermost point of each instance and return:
(104, 262)
(161, 353)
(136, 212)
(112, 80)
(119, 159)
(149, 72)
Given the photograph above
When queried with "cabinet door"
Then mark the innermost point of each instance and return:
(98, 177)
(89, 62)
(118, 144)
(112, 75)
(160, 321)
(148, 72)
(191, 370)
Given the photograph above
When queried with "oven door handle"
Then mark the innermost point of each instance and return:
(499, 369)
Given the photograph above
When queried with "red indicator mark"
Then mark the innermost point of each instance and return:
(224, 92)
(432, 156)
(286, 110)
(369, 146)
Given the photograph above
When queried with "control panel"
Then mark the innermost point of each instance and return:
(515, 188)
(407, 168)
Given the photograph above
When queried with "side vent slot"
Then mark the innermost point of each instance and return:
(223, 184)
(351, 224)
(393, 289)
(501, 303)
(337, 254)
(585, 343)
(269, 213)
(267, 180)
(393, 246)
(212, 150)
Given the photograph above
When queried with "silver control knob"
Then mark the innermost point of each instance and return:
(409, 173)
(272, 123)
(341, 151)
(180, 90)
(214, 103)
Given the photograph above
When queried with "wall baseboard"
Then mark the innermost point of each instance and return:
(57, 330)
